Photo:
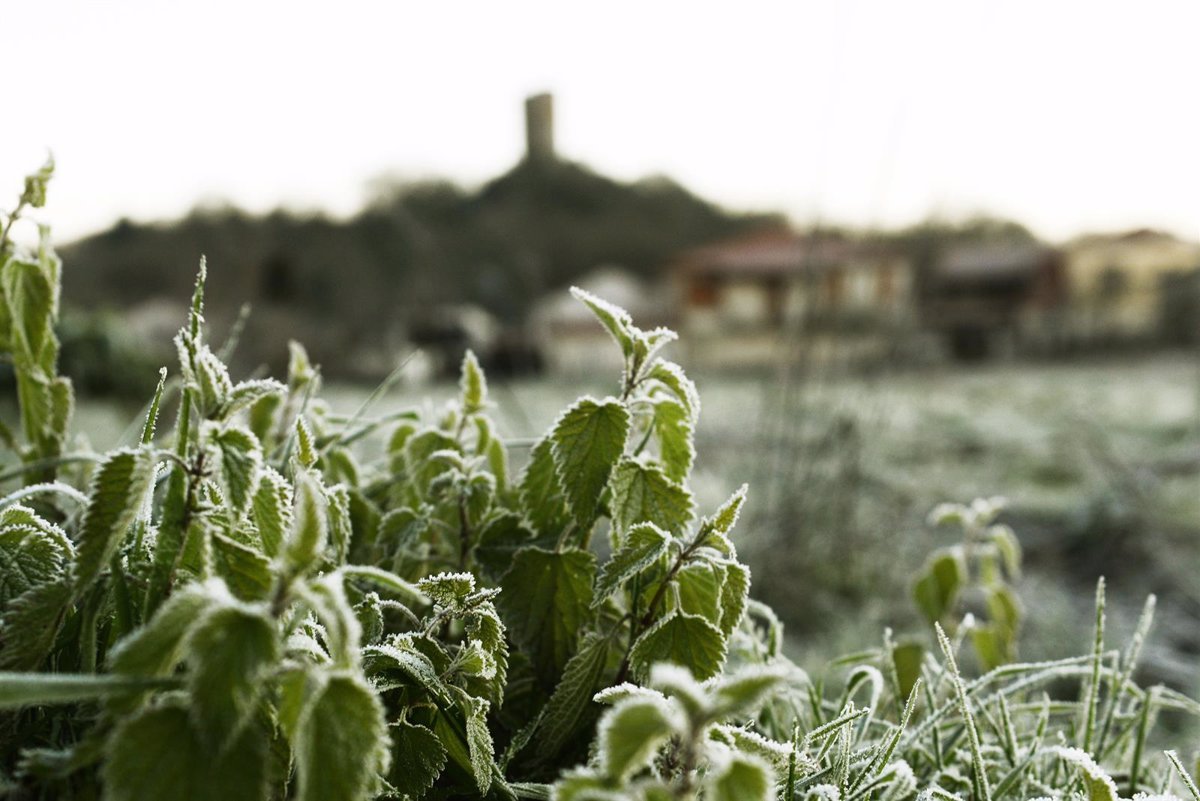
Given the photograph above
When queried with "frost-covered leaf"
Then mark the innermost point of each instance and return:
(630, 734)
(546, 603)
(35, 184)
(32, 552)
(741, 778)
(402, 661)
(341, 742)
(212, 382)
(241, 459)
(246, 571)
(418, 758)
(479, 741)
(671, 376)
(156, 648)
(614, 319)
(472, 385)
(643, 545)
(725, 518)
(741, 694)
(673, 428)
(567, 708)
(735, 594)
(642, 493)
(448, 590)
(310, 524)
(248, 393)
(306, 446)
(31, 622)
(498, 542)
(272, 510)
(1100, 786)
(586, 443)
(341, 529)
(157, 753)
(229, 652)
(118, 492)
(542, 498)
(683, 639)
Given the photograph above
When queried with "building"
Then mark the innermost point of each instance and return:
(755, 299)
(1116, 284)
(995, 298)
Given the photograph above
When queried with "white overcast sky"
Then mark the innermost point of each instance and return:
(1071, 116)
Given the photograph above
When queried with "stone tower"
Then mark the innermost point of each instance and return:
(539, 128)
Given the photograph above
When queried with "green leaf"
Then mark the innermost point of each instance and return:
(211, 378)
(241, 459)
(340, 527)
(248, 393)
(1099, 785)
(157, 647)
(643, 545)
(546, 603)
(1004, 609)
(20, 690)
(119, 490)
(937, 589)
(741, 694)
(157, 754)
(472, 385)
(674, 430)
(742, 778)
(31, 296)
(448, 590)
(479, 741)
(630, 734)
(229, 653)
(35, 184)
(341, 742)
(306, 450)
(401, 662)
(683, 639)
(907, 658)
(498, 542)
(418, 758)
(310, 525)
(586, 442)
(32, 552)
(735, 594)
(497, 459)
(614, 319)
(671, 376)
(246, 571)
(1009, 546)
(991, 645)
(542, 498)
(699, 590)
(567, 710)
(31, 623)
(272, 510)
(642, 493)
(726, 517)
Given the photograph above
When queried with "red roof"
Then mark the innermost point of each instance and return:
(770, 252)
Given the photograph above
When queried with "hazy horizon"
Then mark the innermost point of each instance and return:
(1071, 118)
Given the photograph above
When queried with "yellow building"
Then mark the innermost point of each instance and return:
(1115, 283)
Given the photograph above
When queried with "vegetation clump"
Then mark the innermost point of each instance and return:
(261, 605)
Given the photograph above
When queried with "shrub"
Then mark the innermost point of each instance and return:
(256, 607)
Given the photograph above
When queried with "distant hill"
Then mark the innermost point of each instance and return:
(354, 286)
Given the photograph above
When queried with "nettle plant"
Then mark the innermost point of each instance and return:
(969, 585)
(274, 601)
